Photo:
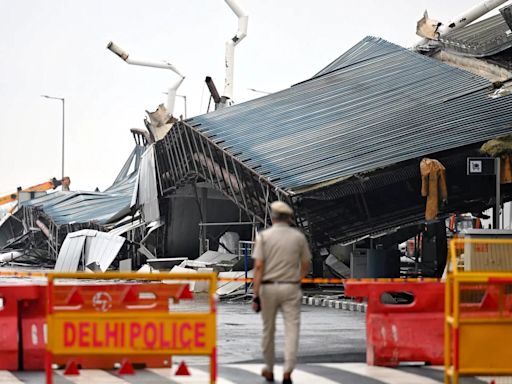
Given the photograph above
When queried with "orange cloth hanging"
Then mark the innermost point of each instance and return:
(433, 186)
(505, 169)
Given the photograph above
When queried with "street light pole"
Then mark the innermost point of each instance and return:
(185, 102)
(171, 93)
(63, 126)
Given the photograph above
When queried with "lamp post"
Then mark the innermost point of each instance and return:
(171, 93)
(185, 103)
(63, 125)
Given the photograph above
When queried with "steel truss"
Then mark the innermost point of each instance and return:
(186, 156)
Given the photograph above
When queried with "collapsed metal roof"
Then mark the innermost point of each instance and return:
(99, 207)
(39, 227)
(484, 38)
(344, 147)
(377, 105)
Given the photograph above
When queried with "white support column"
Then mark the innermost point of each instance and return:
(230, 46)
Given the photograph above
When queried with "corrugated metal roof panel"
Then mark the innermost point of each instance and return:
(99, 207)
(391, 106)
(147, 194)
(70, 253)
(369, 48)
(101, 248)
(484, 38)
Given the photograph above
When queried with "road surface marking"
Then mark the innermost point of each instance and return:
(298, 376)
(8, 377)
(196, 375)
(386, 375)
(89, 376)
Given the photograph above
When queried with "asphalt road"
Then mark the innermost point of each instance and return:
(327, 335)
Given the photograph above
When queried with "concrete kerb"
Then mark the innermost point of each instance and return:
(343, 304)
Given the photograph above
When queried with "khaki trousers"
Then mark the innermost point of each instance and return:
(287, 299)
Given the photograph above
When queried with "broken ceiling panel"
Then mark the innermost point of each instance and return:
(101, 248)
(70, 254)
(147, 192)
(89, 247)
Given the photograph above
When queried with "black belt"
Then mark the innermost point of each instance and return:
(279, 282)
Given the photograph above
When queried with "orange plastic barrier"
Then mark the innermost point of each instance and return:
(126, 320)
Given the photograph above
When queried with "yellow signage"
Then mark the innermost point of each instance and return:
(132, 333)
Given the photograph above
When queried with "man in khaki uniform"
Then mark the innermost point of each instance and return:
(281, 259)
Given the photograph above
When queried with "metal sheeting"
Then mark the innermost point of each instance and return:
(127, 226)
(70, 254)
(101, 248)
(82, 207)
(368, 49)
(390, 105)
(100, 207)
(97, 247)
(484, 38)
(147, 193)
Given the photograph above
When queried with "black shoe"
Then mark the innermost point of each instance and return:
(287, 381)
(269, 376)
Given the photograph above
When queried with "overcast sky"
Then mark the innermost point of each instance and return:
(58, 47)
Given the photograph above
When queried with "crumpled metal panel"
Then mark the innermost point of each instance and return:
(484, 38)
(146, 189)
(96, 247)
(100, 207)
(102, 248)
(70, 254)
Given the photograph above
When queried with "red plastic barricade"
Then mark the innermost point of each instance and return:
(13, 298)
(398, 333)
(23, 331)
(33, 331)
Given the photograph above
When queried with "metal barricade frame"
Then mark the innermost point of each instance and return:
(477, 335)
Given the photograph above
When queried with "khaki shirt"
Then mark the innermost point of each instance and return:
(282, 248)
